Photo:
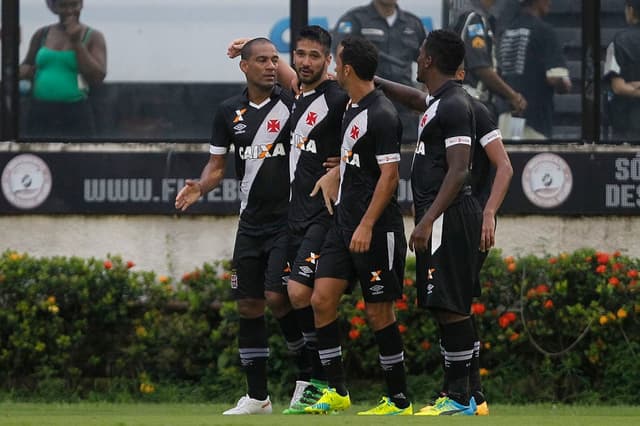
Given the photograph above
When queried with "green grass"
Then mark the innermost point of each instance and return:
(101, 414)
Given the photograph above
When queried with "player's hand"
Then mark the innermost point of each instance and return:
(518, 103)
(420, 235)
(361, 239)
(73, 29)
(488, 236)
(235, 47)
(331, 162)
(328, 184)
(189, 194)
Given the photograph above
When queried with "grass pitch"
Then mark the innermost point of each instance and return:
(102, 414)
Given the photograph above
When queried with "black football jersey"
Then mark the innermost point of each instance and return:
(448, 121)
(315, 122)
(260, 135)
(371, 135)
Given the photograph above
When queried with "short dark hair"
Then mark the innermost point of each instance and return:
(446, 49)
(635, 4)
(362, 55)
(318, 34)
(247, 49)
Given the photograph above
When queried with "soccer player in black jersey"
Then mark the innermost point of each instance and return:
(366, 242)
(316, 120)
(490, 176)
(257, 124)
(448, 218)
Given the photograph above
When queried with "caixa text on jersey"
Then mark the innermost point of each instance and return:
(150, 190)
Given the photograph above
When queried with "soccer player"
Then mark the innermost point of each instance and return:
(316, 120)
(256, 122)
(490, 176)
(366, 242)
(448, 219)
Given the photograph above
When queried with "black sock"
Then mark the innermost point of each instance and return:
(295, 343)
(308, 328)
(330, 353)
(254, 353)
(475, 384)
(392, 363)
(457, 340)
(445, 385)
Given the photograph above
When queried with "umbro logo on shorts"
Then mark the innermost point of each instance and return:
(376, 289)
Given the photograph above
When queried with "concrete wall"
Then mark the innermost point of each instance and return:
(175, 245)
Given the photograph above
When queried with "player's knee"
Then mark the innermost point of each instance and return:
(321, 303)
(250, 308)
(299, 295)
(380, 315)
(278, 304)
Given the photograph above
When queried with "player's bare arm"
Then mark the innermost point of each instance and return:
(458, 162)
(408, 96)
(385, 188)
(504, 171)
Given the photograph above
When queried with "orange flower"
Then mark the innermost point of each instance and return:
(617, 266)
(425, 345)
(588, 259)
(163, 279)
(478, 308)
(408, 282)
(503, 322)
(130, 264)
(531, 293)
(542, 289)
(548, 304)
(509, 259)
(622, 313)
(632, 273)
(511, 267)
(356, 321)
(514, 337)
(617, 253)
(487, 346)
(402, 328)
(601, 269)
(602, 258)
(613, 281)
(401, 305)
(354, 334)
(484, 372)
(553, 260)
(603, 319)
(108, 264)
(360, 305)
(186, 277)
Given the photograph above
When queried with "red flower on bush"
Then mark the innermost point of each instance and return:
(356, 321)
(514, 336)
(130, 264)
(425, 345)
(601, 269)
(401, 305)
(548, 304)
(408, 282)
(360, 305)
(553, 260)
(402, 328)
(186, 277)
(354, 334)
(542, 289)
(511, 267)
(617, 266)
(614, 281)
(506, 319)
(108, 264)
(478, 308)
(632, 273)
(617, 253)
(602, 258)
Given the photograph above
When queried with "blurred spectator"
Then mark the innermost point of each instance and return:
(622, 72)
(63, 61)
(398, 35)
(531, 61)
(476, 26)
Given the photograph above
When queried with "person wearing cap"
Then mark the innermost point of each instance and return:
(532, 62)
(622, 73)
(476, 26)
(63, 61)
(398, 35)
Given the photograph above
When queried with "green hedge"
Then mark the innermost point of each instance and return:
(562, 328)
